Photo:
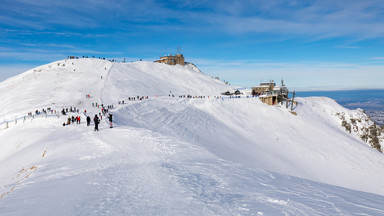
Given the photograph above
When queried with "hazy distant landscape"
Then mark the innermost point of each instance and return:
(377, 116)
(371, 101)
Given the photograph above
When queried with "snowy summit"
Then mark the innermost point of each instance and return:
(177, 147)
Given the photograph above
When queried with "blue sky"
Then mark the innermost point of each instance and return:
(320, 45)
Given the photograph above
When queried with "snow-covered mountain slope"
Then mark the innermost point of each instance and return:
(157, 79)
(311, 145)
(176, 156)
(66, 83)
(72, 170)
(58, 84)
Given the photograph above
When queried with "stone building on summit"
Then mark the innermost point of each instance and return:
(172, 59)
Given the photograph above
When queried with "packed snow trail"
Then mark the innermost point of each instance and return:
(105, 81)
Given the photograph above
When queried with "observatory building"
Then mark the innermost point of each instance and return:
(172, 60)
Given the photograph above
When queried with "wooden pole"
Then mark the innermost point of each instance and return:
(281, 96)
(286, 104)
(293, 98)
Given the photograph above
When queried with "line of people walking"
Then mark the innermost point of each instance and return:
(96, 120)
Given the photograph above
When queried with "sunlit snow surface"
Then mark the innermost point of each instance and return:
(177, 156)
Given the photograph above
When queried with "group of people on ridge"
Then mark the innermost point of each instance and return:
(72, 120)
(96, 121)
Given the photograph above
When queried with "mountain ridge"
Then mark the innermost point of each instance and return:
(192, 143)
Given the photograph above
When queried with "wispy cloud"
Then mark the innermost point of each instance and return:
(48, 45)
(316, 19)
(347, 47)
(377, 58)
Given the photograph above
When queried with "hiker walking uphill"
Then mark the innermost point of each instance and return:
(110, 120)
(88, 120)
(96, 121)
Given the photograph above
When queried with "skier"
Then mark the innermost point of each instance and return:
(110, 120)
(96, 121)
(88, 120)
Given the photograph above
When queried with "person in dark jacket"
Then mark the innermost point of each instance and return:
(110, 120)
(88, 120)
(96, 121)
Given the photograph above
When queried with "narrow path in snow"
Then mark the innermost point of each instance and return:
(105, 80)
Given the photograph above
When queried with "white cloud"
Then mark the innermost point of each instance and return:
(314, 19)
